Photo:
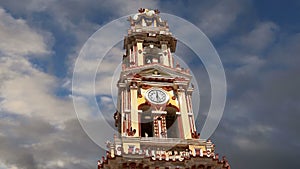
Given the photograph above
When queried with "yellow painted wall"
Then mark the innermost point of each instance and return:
(142, 100)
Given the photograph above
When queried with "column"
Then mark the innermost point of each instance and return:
(190, 109)
(171, 62)
(134, 109)
(123, 107)
(165, 58)
(164, 126)
(155, 127)
(140, 56)
(132, 56)
(184, 113)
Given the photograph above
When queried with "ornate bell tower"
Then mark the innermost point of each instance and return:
(155, 117)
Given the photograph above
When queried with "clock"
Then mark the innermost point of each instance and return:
(157, 96)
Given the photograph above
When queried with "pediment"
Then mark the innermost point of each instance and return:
(156, 71)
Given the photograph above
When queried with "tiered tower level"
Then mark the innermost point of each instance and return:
(155, 117)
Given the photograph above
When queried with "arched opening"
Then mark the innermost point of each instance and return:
(201, 167)
(146, 121)
(151, 59)
(152, 54)
(172, 122)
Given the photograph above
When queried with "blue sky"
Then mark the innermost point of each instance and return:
(258, 43)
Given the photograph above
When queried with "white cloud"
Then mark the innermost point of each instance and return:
(18, 38)
(24, 89)
(36, 144)
(244, 140)
(219, 18)
(34, 90)
(129, 7)
(4, 166)
(250, 65)
(28, 91)
(260, 37)
(86, 68)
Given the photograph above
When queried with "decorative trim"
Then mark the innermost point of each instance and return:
(158, 112)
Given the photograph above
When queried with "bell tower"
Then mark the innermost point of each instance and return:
(154, 116)
(154, 96)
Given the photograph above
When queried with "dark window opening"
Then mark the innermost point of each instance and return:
(146, 122)
(172, 123)
(148, 59)
(151, 59)
(147, 129)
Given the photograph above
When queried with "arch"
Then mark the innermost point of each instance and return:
(201, 167)
(152, 55)
(172, 122)
(132, 165)
(173, 106)
(146, 121)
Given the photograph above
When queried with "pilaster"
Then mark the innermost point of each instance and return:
(164, 48)
(134, 110)
(140, 57)
(184, 113)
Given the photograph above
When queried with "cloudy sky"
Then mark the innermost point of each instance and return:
(258, 43)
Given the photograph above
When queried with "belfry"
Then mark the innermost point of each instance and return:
(154, 116)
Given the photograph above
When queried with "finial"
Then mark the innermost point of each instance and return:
(141, 10)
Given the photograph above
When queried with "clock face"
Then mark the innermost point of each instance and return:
(157, 96)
